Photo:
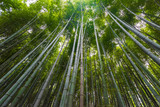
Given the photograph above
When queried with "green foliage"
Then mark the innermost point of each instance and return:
(113, 68)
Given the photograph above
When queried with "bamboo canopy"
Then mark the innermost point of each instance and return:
(79, 53)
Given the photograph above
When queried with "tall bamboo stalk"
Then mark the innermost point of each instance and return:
(101, 69)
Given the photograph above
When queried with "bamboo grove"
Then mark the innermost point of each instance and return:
(87, 53)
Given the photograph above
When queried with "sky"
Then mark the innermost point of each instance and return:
(30, 1)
